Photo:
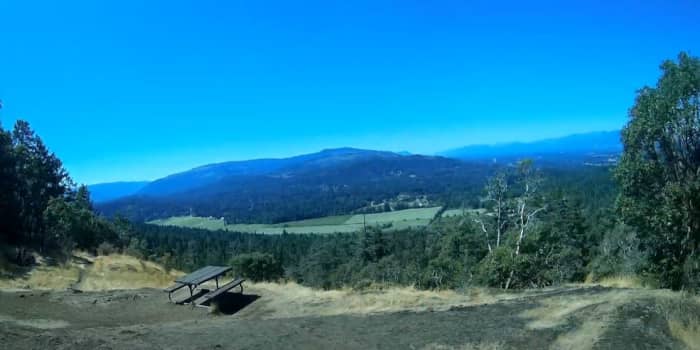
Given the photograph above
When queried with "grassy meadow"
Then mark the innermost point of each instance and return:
(461, 212)
(396, 220)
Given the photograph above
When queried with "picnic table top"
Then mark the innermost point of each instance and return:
(202, 275)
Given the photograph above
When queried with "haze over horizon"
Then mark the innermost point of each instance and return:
(193, 83)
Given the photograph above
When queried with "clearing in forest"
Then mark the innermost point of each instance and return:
(394, 220)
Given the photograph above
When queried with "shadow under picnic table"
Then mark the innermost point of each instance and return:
(231, 303)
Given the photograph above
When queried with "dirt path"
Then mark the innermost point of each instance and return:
(591, 318)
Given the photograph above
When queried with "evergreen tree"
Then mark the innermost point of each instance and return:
(659, 172)
(10, 223)
(41, 178)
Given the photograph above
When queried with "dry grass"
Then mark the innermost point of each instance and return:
(101, 273)
(44, 277)
(595, 312)
(470, 346)
(125, 272)
(686, 332)
(682, 317)
(292, 300)
(621, 282)
(556, 311)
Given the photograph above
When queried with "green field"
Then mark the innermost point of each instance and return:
(400, 219)
(459, 212)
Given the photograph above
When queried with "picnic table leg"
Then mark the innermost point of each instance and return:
(217, 283)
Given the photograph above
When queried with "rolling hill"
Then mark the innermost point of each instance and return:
(577, 145)
(105, 192)
(210, 174)
(345, 181)
(331, 182)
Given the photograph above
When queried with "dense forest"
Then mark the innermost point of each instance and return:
(311, 191)
(450, 253)
(538, 227)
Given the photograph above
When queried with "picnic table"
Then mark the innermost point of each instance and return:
(201, 276)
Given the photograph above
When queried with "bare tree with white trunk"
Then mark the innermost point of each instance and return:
(495, 220)
(528, 205)
(513, 203)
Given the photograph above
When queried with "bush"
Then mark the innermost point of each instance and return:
(494, 269)
(619, 254)
(106, 248)
(691, 273)
(258, 267)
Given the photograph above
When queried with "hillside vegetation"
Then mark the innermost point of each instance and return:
(330, 183)
(567, 317)
(87, 273)
(526, 226)
(395, 220)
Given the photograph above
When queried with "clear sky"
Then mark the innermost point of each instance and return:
(124, 90)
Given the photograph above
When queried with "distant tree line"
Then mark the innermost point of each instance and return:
(338, 190)
(450, 253)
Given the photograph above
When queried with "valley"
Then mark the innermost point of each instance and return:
(394, 220)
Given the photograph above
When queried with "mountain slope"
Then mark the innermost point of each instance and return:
(209, 174)
(105, 192)
(577, 144)
(346, 180)
(331, 182)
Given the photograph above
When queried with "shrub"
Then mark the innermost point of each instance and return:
(106, 248)
(258, 267)
(619, 254)
(494, 269)
(691, 273)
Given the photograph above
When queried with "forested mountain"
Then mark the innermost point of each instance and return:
(213, 173)
(341, 181)
(113, 190)
(555, 149)
(327, 183)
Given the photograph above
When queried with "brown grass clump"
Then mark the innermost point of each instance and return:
(125, 272)
(292, 300)
(683, 318)
(687, 332)
(556, 311)
(623, 281)
(94, 274)
(44, 278)
(595, 312)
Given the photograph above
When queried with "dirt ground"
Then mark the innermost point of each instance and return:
(569, 318)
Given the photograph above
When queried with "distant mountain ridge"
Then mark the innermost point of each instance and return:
(340, 181)
(212, 173)
(576, 144)
(105, 192)
(330, 182)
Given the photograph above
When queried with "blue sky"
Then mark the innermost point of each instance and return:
(127, 91)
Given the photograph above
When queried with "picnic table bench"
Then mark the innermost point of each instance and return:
(201, 276)
(223, 289)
